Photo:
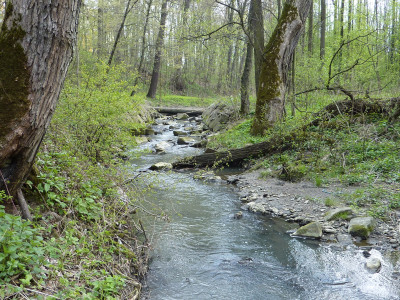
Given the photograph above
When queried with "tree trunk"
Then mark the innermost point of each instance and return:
(393, 32)
(157, 57)
(178, 82)
(245, 80)
(244, 84)
(127, 10)
(36, 42)
(279, 8)
(100, 29)
(277, 58)
(142, 49)
(310, 29)
(323, 30)
(258, 39)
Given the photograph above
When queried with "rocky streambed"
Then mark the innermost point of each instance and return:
(215, 232)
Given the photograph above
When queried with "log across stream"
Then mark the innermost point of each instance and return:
(200, 251)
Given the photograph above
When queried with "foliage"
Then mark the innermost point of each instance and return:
(22, 250)
(99, 112)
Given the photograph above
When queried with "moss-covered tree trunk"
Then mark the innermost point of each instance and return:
(277, 59)
(36, 45)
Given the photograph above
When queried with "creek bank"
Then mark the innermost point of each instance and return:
(300, 203)
(303, 203)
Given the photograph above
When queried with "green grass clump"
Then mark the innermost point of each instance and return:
(236, 137)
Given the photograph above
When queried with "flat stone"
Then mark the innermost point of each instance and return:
(179, 132)
(361, 226)
(338, 213)
(373, 265)
(184, 140)
(161, 166)
(311, 230)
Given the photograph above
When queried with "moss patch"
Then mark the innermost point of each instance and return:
(14, 75)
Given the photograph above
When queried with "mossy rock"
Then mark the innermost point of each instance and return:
(311, 230)
(361, 226)
(343, 213)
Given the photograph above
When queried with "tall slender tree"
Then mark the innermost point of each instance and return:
(257, 25)
(157, 57)
(323, 30)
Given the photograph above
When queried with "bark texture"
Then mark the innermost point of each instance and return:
(157, 57)
(36, 46)
(277, 58)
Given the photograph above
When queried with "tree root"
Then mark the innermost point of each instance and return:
(23, 205)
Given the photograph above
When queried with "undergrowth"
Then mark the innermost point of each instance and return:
(83, 242)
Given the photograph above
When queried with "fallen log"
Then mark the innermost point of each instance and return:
(236, 156)
(178, 110)
(282, 143)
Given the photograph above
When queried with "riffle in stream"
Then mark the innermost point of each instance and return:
(202, 252)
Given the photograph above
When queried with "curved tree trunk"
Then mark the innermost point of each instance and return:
(157, 57)
(277, 59)
(36, 46)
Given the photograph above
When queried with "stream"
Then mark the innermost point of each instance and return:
(200, 251)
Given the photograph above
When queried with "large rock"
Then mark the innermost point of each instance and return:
(162, 146)
(179, 132)
(216, 116)
(373, 265)
(361, 226)
(182, 116)
(141, 139)
(185, 140)
(311, 230)
(161, 166)
(339, 213)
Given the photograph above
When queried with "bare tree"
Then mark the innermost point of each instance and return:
(36, 42)
(128, 9)
(277, 58)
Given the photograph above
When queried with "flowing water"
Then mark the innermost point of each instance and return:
(202, 252)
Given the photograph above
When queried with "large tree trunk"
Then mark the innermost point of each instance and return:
(277, 58)
(36, 46)
(157, 57)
